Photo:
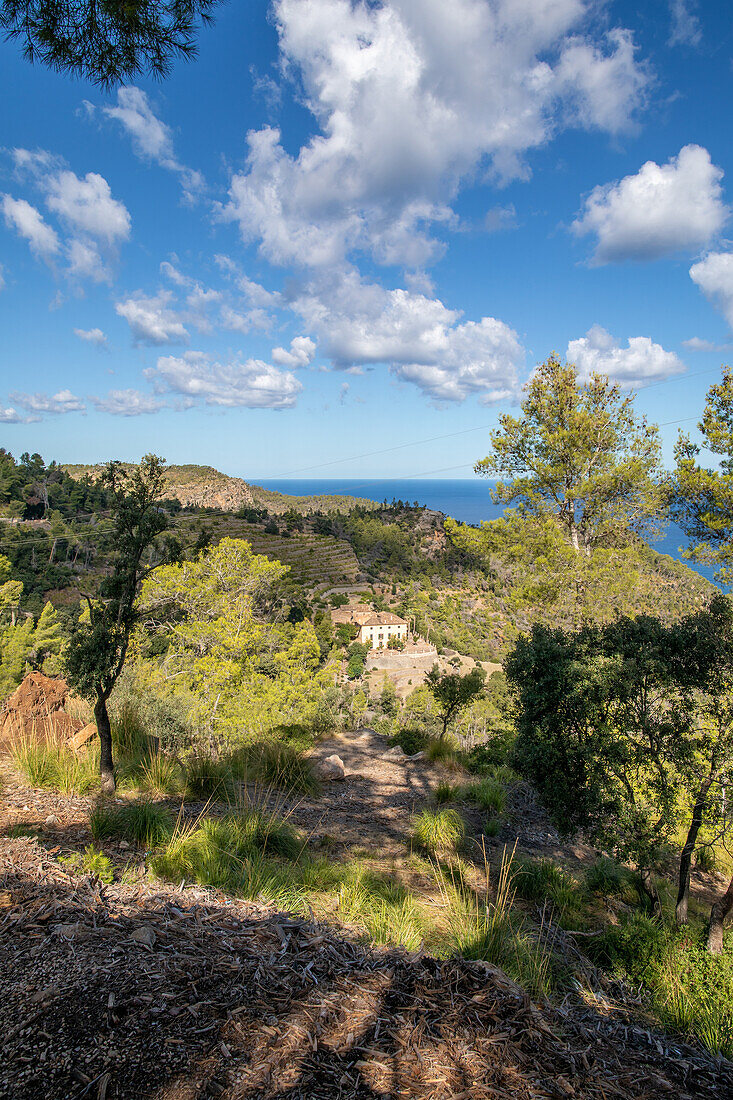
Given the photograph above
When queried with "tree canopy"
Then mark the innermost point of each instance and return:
(578, 453)
(106, 41)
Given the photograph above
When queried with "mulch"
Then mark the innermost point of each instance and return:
(151, 991)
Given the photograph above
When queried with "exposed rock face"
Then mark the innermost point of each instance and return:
(37, 710)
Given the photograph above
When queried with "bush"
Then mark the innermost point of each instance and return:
(91, 862)
(54, 765)
(706, 859)
(488, 793)
(208, 777)
(606, 876)
(446, 792)
(438, 830)
(490, 754)
(442, 751)
(411, 740)
(141, 822)
(543, 879)
(274, 764)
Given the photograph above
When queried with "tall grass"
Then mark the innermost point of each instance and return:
(275, 764)
(141, 822)
(481, 928)
(438, 830)
(489, 793)
(54, 765)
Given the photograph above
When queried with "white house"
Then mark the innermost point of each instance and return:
(380, 627)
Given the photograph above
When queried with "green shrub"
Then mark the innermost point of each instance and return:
(488, 793)
(496, 752)
(607, 877)
(438, 830)
(411, 740)
(491, 827)
(141, 822)
(54, 765)
(706, 859)
(91, 862)
(207, 777)
(275, 764)
(446, 792)
(543, 879)
(441, 751)
(227, 852)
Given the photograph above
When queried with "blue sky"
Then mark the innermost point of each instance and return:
(347, 227)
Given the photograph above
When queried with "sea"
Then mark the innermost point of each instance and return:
(465, 499)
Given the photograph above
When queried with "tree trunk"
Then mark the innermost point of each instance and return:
(104, 729)
(649, 888)
(683, 889)
(718, 913)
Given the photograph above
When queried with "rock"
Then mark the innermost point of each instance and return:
(71, 931)
(85, 734)
(418, 755)
(332, 768)
(144, 935)
(395, 753)
(50, 821)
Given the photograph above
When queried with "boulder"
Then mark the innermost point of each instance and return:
(332, 768)
(395, 753)
(144, 935)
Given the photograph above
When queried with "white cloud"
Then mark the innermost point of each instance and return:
(410, 98)
(358, 323)
(152, 320)
(640, 362)
(151, 139)
(302, 350)
(11, 416)
(695, 343)
(29, 223)
(685, 28)
(87, 205)
(92, 336)
(85, 262)
(127, 403)
(659, 211)
(714, 275)
(252, 384)
(62, 402)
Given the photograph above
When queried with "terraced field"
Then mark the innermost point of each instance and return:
(313, 559)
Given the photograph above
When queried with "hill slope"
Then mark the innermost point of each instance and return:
(206, 487)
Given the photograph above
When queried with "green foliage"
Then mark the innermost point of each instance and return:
(411, 740)
(490, 754)
(208, 777)
(51, 764)
(442, 751)
(607, 877)
(578, 454)
(141, 821)
(453, 692)
(93, 862)
(700, 498)
(489, 793)
(242, 668)
(543, 879)
(438, 830)
(446, 792)
(108, 44)
(275, 764)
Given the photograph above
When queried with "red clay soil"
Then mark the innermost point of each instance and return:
(162, 993)
(36, 710)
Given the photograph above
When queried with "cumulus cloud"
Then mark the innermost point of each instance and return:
(11, 416)
(28, 223)
(302, 350)
(714, 275)
(86, 262)
(640, 362)
(252, 384)
(92, 336)
(127, 403)
(87, 205)
(152, 320)
(410, 99)
(422, 341)
(62, 402)
(661, 210)
(152, 139)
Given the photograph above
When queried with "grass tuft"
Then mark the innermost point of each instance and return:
(141, 822)
(53, 765)
(438, 830)
(446, 792)
(489, 793)
(208, 777)
(442, 751)
(276, 764)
